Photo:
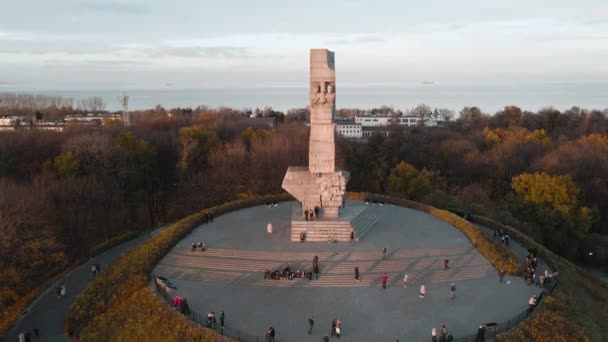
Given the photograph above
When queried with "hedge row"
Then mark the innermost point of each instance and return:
(575, 311)
(501, 257)
(110, 287)
(140, 316)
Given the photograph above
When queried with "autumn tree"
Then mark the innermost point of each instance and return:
(405, 180)
(552, 204)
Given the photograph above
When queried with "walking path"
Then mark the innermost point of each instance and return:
(47, 312)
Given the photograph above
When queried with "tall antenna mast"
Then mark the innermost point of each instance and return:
(124, 101)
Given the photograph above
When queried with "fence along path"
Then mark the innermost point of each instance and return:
(336, 269)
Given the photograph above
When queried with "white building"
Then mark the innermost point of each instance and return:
(10, 123)
(384, 120)
(349, 130)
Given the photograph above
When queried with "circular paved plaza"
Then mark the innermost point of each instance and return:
(229, 276)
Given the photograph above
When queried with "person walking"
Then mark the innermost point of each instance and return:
(94, 270)
(325, 338)
(446, 263)
(452, 291)
(311, 323)
(58, 291)
(222, 318)
(338, 328)
(405, 280)
(63, 291)
(434, 335)
(422, 291)
(384, 278)
(316, 270)
(357, 273)
(98, 268)
(269, 228)
(333, 328)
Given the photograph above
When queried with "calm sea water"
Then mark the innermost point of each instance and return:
(489, 97)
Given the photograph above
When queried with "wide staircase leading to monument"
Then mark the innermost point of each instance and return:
(358, 218)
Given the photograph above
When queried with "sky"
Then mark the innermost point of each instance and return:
(67, 44)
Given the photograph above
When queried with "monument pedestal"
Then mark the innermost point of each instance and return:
(359, 218)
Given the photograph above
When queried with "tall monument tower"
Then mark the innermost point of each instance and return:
(320, 186)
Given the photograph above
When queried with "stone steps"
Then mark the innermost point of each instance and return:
(364, 222)
(326, 230)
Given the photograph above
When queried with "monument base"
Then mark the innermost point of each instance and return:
(357, 218)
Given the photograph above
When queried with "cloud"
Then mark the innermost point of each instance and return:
(199, 51)
(359, 39)
(108, 6)
(570, 38)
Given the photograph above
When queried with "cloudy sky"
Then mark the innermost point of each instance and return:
(63, 44)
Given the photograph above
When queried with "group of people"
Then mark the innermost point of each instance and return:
(444, 335)
(212, 321)
(309, 214)
(201, 246)
(543, 279)
(27, 335)
(270, 333)
(287, 273)
(181, 304)
(504, 238)
(95, 268)
(60, 290)
(208, 217)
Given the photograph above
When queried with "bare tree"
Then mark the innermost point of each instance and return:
(445, 114)
(423, 112)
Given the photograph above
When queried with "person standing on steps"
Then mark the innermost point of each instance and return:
(405, 280)
(357, 273)
(311, 323)
(384, 278)
(384, 250)
(446, 263)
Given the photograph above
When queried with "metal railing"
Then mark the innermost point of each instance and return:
(492, 329)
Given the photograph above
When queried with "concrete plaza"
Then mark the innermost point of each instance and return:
(229, 276)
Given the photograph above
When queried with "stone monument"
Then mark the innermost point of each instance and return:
(320, 188)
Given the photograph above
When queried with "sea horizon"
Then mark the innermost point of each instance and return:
(490, 97)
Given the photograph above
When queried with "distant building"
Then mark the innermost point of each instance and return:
(10, 123)
(370, 120)
(14, 123)
(349, 129)
(367, 132)
(91, 118)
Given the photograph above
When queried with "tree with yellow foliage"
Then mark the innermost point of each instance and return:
(551, 203)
